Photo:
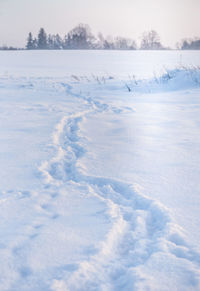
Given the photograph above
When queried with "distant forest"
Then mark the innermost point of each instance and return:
(81, 37)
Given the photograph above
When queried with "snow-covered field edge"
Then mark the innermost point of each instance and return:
(143, 231)
(144, 248)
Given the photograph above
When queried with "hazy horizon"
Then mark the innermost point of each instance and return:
(129, 18)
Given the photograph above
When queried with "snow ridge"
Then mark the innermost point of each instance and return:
(141, 227)
(170, 80)
(167, 80)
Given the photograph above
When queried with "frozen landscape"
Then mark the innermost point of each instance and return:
(99, 170)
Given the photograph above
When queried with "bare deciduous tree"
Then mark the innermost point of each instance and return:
(151, 41)
(79, 37)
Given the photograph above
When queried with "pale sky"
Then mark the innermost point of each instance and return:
(172, 19)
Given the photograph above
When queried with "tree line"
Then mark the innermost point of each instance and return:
(189, 44)
(8, 48)
(81, 37)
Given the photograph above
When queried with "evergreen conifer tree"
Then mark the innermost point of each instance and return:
(42, 39)
(30, 44)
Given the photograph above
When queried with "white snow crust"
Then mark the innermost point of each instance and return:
(99, 171)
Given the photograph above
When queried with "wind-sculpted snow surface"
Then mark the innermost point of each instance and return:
(86, 220)
(141, 231)
(170, 80)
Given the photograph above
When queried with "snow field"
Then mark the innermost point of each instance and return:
(143, 231)
(81, 209)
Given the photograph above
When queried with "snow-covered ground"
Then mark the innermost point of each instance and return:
(99, 171)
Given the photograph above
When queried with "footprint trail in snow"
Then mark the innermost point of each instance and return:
(76, 231)
(141, 231)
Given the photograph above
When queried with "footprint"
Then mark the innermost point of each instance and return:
(32, 236)
(25, 272)
(55, 216)
(38, 226)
